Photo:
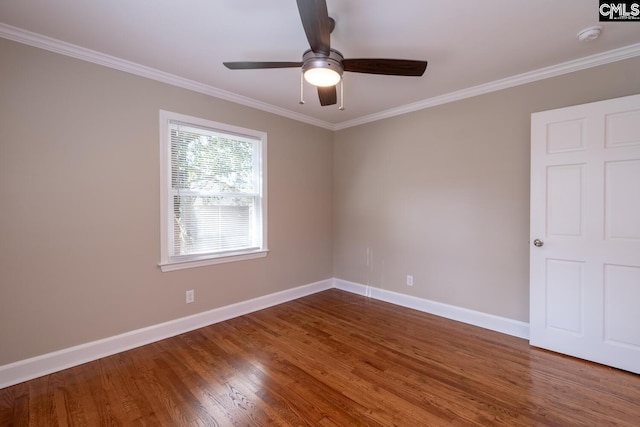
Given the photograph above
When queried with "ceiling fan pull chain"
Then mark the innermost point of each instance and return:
(341, 108)
(301, 87)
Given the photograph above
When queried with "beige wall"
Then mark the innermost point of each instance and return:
(443, 193)
(79, 216)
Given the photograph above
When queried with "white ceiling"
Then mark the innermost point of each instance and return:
(468, 43)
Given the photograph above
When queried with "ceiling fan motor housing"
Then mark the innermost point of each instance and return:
(333, 61)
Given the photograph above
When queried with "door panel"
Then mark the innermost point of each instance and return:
(565, 288)
(565, 194)
(585, 208)
(621, 297)
(565, 136)
(622, 206)
(623, 129)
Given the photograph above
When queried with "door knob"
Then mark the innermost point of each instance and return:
(538, 243)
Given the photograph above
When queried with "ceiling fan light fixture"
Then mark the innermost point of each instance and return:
(322, 77)
(322, 70)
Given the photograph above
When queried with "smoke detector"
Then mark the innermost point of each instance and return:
(589, 34)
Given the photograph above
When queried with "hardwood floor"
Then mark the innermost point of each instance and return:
(330, 359)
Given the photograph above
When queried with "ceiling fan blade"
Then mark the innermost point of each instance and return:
(254, 65)
(316, 23)
(390, 67)
(328, 95)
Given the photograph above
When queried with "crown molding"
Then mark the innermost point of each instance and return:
(74, 51)
(517, 80)
(57, 46)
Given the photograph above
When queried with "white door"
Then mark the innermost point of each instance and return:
(585, 231)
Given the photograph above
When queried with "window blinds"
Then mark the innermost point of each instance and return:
(214, 191)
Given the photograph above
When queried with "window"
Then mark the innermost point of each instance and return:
(213, 192)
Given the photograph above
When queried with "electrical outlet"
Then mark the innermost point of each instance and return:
(409, 280)
(190, 296)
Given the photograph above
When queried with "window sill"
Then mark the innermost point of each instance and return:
(220, 259)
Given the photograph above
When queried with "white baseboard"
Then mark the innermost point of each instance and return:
(38, 366)
(476, 318)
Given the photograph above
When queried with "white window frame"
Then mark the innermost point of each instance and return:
(169, 263)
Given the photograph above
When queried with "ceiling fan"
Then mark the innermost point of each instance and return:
(322, 66)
